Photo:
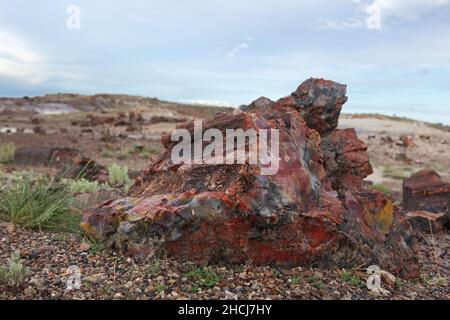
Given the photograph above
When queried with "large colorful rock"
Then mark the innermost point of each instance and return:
(233, 213)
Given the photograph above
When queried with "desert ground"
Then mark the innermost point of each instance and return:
(125, 131)
(391, 159)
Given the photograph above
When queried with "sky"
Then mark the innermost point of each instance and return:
(394, 55)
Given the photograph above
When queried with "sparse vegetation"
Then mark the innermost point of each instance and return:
(352, 279)
(14, 273)
(82, 185)
(380, 187)
(7, 152)
(118, 176)
(143, 152)
(203, 277)
(38, 204)
(431, 280)
(396, 173)
(117, 276)
(315, 281)
(398, 283)
(156, 266)
(107, 153)
(96, 246)
(295, 280)
(161, 288)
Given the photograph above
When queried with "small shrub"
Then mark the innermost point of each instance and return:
(396, 173)
(39, 205)
(17, 177)
(14, 273)
(398, 283)
(352, 280)
(315, 281)
(380, 187)
(295, 280)
(96, 247)
(346, 276)
(435, 280)
(118, 176)
(107, 153)
(161, 288)
(7, 152)
(145, 152)
(82, 186)
(155, 267)
(203, 277)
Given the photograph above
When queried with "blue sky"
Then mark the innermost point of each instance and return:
(393, 54)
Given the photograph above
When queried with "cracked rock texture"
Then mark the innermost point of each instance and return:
(313, 211)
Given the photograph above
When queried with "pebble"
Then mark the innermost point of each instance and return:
(30, 292)
(108, 275)
(85, 246)
(388, 278)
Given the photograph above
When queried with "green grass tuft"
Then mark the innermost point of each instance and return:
(315, 281)
(38, 204)
(295, 280)
(352, 280)
(7, 152)
(14, 273)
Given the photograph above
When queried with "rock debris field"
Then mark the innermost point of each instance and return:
(101, 211)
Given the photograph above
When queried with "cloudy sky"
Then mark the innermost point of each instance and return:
(393, 54)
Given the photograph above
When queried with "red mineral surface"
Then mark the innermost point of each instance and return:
(312, 211)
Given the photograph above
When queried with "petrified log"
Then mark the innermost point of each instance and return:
(85, 168)
(46, 156)
(427, 222)
(425, 192)
(312, 210)
(70, 162)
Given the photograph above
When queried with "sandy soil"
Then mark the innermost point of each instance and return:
(392, 161)
(107, 275)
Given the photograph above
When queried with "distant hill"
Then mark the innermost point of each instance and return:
(67, 102)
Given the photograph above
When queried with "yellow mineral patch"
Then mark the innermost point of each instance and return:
(87, 228)
(382, 220)
(385, 217)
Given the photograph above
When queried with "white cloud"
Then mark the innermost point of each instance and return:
(212, 103)
(380, 10)
(17, 59)
(242, 46)
(350, 23)
(374, 14)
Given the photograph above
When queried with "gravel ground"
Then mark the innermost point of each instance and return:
(108, 275)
